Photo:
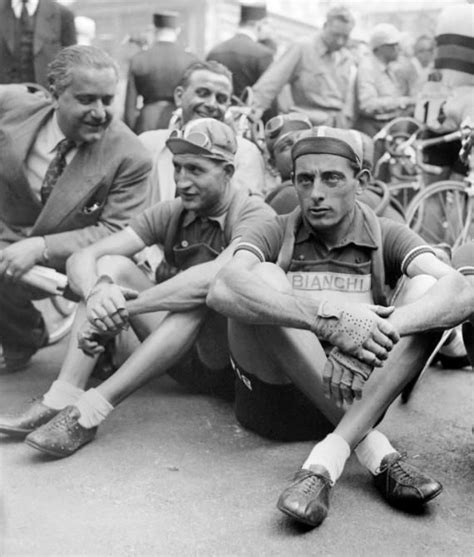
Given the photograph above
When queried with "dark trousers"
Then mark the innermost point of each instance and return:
(21, 324)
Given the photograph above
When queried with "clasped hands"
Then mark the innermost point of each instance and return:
(362, 338)
(107, 315)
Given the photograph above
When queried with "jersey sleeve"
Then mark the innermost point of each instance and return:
(151, 225)
(263, 237)
(400, 247)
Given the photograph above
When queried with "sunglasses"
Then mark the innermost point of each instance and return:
(274, 126)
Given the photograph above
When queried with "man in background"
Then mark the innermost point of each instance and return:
(154, 75)
(32, 32)
(319, 72)
(382, 94)
(243, 54)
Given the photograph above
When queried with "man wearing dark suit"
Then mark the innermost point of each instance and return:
(154, 74)
(32, 32)
(245, 57)
(69, 175)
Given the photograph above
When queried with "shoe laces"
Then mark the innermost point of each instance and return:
(404, 472)
(62, 421)
(312, 482)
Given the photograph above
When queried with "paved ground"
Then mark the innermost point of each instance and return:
(173, 474)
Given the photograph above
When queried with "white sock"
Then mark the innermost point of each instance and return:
(93, 408)
(61, 394)
(373, 449)
(332, 453)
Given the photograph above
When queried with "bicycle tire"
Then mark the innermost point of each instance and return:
(442, 213)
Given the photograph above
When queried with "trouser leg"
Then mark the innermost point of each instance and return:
(21, 324)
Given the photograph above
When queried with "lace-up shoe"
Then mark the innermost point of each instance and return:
(63, 435)
(403, 485)
(306, 499)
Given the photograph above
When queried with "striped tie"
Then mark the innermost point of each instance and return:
(55, 168)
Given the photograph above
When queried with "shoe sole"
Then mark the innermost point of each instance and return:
(15, 431)
(51, 452)
(298, 518)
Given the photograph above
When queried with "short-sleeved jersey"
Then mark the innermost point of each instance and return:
(342, 273)
(152, 226)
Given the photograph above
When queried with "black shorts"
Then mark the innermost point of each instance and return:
(191, 373)
(279, 412)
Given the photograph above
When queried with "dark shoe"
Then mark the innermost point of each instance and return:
(307, 498)
(403, 485)
(20, 425)
(63, 435)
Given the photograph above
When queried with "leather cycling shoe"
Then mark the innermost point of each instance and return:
(403, 485)
(20, 425)
(307, 498)
(63, 435)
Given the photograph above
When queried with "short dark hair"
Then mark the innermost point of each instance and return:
(61, 68)
(207, 65)
(340, 13)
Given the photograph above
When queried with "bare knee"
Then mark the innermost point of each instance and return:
(414, 288)
(121, 269)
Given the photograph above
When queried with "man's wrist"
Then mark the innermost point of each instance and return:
(101, 281)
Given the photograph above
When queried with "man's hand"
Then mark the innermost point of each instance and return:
(359, 330)
(106, 306)
(344, 377)
(92, 341)
(20, 257)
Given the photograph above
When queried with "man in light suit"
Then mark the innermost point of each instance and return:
(69, 175)
(32, 32)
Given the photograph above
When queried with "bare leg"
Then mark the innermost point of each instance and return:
(163, 348)
(77, 366)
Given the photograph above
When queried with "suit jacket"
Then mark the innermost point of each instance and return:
(154, 75)
(100, 189)
(54, 29)
(245, 58)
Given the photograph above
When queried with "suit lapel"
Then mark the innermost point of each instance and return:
(15, 144)
(7, 25)
(79, 180)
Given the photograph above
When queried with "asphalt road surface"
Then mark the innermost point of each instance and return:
(171, 473)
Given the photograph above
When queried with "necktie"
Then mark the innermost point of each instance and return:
(55, 168)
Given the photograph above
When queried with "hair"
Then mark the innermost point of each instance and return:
(422, 38)
(61, 68)
(340, 13)
(208, 65)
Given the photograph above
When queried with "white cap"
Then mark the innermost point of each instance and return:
(384, 33)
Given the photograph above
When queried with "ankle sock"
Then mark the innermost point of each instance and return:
(94, 408)
(61, 394)
(332, 453)
(372, 450)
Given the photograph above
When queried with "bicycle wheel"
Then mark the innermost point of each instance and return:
(58, 314)
(442, 213)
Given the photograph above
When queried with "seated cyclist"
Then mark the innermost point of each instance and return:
(198, 231)
(299, 292)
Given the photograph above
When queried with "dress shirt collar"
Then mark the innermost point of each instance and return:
(31, 7)
(52, 134)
